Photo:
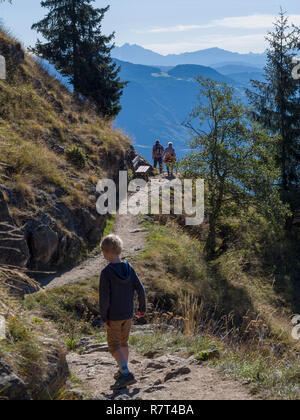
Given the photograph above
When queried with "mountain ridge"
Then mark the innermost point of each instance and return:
(156, 90)
(211, 56)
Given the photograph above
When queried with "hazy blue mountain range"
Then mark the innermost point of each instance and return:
(241, 73)
(234, 68)
(209, 57)
(158, 99)
(155, 103)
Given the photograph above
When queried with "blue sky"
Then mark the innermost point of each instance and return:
(171, 26)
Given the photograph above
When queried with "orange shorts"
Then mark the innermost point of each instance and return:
(118, 334)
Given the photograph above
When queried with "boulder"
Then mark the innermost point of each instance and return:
(11, 49)
(11, 386)
(55, 375)
(180, 371)
(154, 388)
(90, 226)
(89, 222)
(89, 346)
(44, 244)
(169, 359)
(96, 348)
(94, 235)
(154, 365)
(14, 249)
(157, 382)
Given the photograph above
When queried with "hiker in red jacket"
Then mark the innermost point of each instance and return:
(170, 158)
(157, 155)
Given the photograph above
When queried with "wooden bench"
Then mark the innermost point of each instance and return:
(140, 168)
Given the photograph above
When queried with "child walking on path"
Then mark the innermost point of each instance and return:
(118, 283)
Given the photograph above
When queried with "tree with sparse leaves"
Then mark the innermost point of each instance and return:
(277, 100)
(78, 49)
(235, 157)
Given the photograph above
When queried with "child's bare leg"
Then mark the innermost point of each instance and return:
(125, 350)
(121, 358)
(119, 355)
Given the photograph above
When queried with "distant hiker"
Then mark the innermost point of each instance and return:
(170, 158)
(118, 282)
(157, 155)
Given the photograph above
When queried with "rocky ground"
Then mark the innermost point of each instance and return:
(168, 377)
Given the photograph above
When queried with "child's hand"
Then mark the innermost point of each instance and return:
(106, 325)
(141, 314)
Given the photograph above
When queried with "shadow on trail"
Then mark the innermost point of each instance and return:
(125, 392)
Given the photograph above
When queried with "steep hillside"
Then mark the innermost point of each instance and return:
(242, 74)
(52, 153)
(189, 72)
(229, 69)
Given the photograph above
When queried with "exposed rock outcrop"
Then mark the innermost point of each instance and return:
(44, 244)
(57, 235)
(14, 249)
(11, 386)
(55, 238)
(12, 50)
(51, 374)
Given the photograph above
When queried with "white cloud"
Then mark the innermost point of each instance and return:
(178, 28)
(252, 22)
(240, 22)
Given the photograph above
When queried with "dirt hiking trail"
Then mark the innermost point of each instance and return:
(168, 377)
(133, 235)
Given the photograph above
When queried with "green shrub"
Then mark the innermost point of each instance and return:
(72, 307)
(76, 156)
(18, 332)
(109, 225)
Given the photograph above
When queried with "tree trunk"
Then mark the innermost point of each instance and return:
(216, 205)
(211, 244)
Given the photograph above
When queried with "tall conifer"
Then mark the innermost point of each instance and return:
(277, 100)
(78, 49)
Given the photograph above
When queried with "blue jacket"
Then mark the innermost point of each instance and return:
(118, 282)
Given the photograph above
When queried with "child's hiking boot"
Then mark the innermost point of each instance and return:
(118, 375)
(123, 382)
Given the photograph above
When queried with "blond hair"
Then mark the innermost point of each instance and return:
(112, 244)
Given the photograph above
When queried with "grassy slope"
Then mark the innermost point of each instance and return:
(30, 340)
(36, 111)
(237, 307)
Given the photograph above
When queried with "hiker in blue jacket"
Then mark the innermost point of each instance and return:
(157, 155)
